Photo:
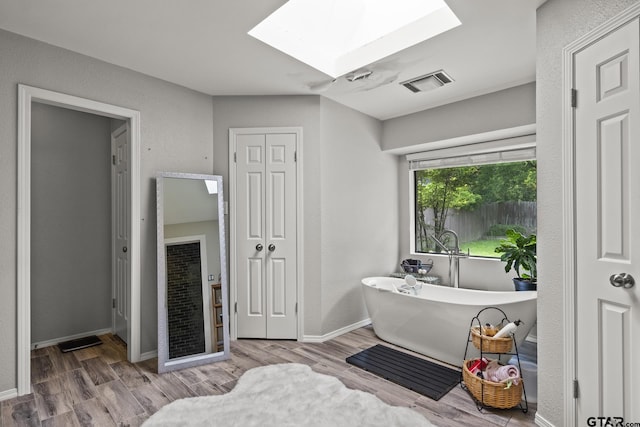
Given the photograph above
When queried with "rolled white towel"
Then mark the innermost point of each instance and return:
(499, 373)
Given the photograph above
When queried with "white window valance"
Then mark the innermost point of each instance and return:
(514, 149)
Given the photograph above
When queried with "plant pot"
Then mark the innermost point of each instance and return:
(524, 284)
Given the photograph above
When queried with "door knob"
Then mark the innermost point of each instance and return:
(124, 249)
(259, 247)
(271, 247)
(622, 280)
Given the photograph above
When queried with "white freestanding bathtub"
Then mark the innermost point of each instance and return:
(435, 322)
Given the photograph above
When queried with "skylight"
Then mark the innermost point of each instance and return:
(212, 186)
(339, 36)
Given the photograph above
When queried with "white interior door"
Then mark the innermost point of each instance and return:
(281, 236)
(607, 154)
(266, 227)
(120, 228)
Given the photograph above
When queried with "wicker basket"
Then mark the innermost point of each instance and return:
(490, 344)
(490, 393)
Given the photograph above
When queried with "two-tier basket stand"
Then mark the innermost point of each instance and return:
(489, 394)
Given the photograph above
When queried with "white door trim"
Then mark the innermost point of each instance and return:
(299, 218)
(569, 209)
(26, 96)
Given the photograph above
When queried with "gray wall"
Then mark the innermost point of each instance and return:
(359, 211)
(451, 121)
(346, 178)
(176, 132)
(70, 223)
(494, 111)
(559, 22)
(282, 111)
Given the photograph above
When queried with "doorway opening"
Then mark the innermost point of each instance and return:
(27, 96)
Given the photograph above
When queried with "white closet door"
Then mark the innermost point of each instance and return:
(250, 232)
(266, 235)
(281, 236)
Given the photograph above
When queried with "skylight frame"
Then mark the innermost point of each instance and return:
(300, 29)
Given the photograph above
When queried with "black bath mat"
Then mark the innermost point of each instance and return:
(84, 342)
(424, 377)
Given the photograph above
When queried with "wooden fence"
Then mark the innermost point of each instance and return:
(474, 225)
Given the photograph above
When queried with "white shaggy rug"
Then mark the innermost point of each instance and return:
(286, 395)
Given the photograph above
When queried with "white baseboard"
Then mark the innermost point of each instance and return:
(8, 394)
(148, 355)
(336, 333)
(532, 338)
(540, 421)
(55, 341)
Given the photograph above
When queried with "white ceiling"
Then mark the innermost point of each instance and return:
(203, 45)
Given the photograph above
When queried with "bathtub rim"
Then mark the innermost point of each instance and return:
(439, 293)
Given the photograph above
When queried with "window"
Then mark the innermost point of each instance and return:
(479, 197)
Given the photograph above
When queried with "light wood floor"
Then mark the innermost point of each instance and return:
(97, 386)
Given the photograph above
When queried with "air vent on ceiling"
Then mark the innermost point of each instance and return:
(359, 75)
(427, 82)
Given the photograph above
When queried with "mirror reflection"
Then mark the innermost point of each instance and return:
(192, 316)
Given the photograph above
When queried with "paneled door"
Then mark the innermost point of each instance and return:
(607, 155)
(120, 228)
(266, 235)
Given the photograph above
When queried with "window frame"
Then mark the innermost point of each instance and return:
(455, 153)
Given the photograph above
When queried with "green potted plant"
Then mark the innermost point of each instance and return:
(519, 253)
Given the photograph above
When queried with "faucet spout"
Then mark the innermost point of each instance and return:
(439, 243)
(456, 240)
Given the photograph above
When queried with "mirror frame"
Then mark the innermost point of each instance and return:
(164, 363)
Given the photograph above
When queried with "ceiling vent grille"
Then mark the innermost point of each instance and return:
(427, 82)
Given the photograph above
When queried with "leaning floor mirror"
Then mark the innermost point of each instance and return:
(193, 317)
